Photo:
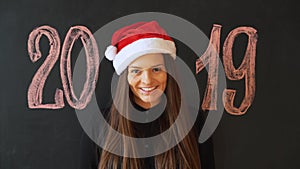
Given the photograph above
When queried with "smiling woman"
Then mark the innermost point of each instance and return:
(143, 56)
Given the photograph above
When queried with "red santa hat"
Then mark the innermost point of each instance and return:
(133, 41)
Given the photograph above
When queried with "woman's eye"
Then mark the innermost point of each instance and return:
(134, 71)
(156, 69)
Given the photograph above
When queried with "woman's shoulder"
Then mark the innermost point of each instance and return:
(89, 150)
(206, 149)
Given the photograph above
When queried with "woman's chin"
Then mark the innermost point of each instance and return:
(150, 101)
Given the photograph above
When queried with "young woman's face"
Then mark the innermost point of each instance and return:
(147, 79)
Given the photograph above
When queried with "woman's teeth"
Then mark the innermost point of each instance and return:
(147, 89)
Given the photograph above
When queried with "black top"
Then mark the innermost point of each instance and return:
(90, 152)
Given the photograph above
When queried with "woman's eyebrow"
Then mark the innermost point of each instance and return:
(135, 67)
(157, 65)
(142, 68)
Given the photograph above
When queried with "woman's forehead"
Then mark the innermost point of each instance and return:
(148, 60)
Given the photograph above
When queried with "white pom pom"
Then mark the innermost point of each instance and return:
(110, 52)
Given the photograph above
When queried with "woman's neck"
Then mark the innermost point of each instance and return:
(146, 105)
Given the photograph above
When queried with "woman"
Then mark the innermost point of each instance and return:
(143, 57)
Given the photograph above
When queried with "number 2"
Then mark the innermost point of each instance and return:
(35, 90)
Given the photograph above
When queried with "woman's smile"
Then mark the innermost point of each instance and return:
(147, 90)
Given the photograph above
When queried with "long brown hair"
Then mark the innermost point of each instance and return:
(185, 154)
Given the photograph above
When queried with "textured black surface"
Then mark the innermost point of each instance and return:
(267, 136)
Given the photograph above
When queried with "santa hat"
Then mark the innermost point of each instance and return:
(133, 41)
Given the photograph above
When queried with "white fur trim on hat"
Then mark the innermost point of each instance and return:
(141, 47)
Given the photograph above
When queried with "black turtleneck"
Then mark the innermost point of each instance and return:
(90, 152)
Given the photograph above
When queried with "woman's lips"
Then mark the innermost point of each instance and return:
(147, 90)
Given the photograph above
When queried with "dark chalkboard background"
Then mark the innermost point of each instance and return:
(266, 137)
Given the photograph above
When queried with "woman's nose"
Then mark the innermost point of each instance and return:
(146, 77)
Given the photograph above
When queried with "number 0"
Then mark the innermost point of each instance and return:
(92, 58)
